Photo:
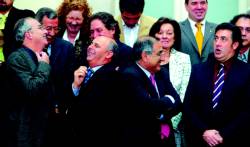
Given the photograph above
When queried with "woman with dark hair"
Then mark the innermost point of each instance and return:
(167, 31)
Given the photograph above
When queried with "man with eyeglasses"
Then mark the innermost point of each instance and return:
(243, 22)
(28, 73)
(61, 54)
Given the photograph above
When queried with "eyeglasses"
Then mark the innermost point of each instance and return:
(247, 29)
(50, 28)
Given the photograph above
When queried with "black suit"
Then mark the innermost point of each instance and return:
(13, 16)
(94, 113)
(61, 61)
(124, 56)
(143, 106)
(232, 115)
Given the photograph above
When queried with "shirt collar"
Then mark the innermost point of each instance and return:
(192, 23)
(144, 70)
(96, 68)
(124, 25)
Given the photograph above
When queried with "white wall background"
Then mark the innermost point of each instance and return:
(218, 10)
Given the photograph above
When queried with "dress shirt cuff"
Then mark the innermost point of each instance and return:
(171, 98)
(75, 90)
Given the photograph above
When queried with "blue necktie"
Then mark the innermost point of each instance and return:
(88, 75)
(218, 85)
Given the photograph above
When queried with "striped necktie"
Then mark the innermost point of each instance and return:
(218, 85)
(88, 75)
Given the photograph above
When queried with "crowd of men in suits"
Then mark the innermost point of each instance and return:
(119, 93)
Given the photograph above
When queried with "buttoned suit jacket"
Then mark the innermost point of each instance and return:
(94, 113)
(189, 45)
(231, 116)
(145, 24)
(141, 117)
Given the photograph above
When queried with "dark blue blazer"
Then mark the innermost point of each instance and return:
(232, 115)
(143, 106)
(61, 61)
(124, 57)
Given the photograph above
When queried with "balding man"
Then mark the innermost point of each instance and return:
(92, 114)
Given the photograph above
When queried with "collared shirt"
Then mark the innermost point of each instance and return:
(130, 34)
(227, 66)
(76, 90)
(49, 49)
(244, 56)
(194, 28)
(65, 37)
(148, 75)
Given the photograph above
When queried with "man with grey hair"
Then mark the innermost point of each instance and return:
(28, 73)
(149, 95)
(96, 97)
(61, 55)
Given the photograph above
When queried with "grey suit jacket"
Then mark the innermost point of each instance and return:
(189, 45)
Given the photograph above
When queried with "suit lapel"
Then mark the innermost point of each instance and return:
(189, 33)
(147, 83)
(208, 34)
(55, 51)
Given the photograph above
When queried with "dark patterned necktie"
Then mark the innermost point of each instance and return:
(88, 75)
(218, 85)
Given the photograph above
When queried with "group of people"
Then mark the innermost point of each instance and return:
(73, 78)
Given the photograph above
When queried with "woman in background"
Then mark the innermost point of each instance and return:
(73, 20)
(167, 31)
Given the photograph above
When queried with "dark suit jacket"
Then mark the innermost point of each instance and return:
(28, 98)
(189, 45)
(143, 106)
(14, 15)
(232, 115)
(94, 113)
(124, 57)
(61, 61)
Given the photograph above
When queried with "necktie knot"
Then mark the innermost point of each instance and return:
(88, 75)
(198, 25)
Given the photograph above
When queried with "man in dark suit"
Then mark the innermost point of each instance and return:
(61, 54)
(28, 72)
(243, 22)
(217, 101)
(11, 16)
(96, 89)
(147, 104)
(196, 15)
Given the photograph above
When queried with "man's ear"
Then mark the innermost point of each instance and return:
(113, 31)
(28, 35)
(109, 54)
(235, 45)
(144, 56)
